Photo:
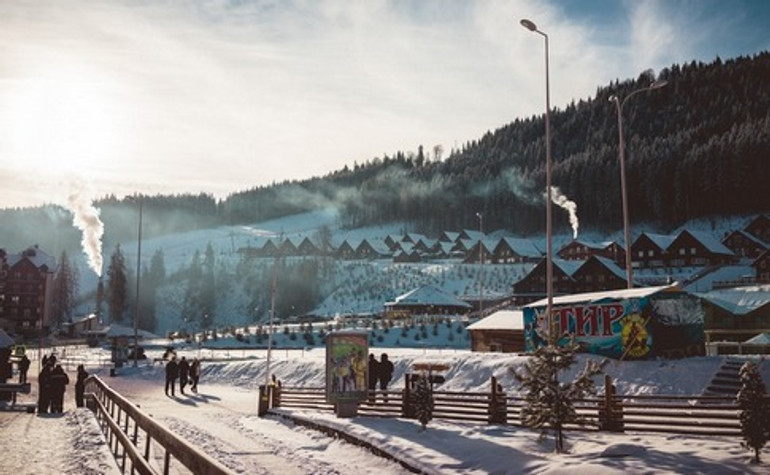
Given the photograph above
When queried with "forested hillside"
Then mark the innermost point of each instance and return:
(698, 147)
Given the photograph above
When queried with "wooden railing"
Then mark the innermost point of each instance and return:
(136, 440)
(696, 415)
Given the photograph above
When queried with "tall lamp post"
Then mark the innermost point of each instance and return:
(623, 189)
(548, 228)
(481, 264)
(138, 278)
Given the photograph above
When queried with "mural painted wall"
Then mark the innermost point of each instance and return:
(619, 328)
(347, 366)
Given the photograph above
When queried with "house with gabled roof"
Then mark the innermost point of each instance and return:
(599, 273)
(391, 240)
(744, 244)
(407, 255)
(269, 248)
(736, 314)
(426, 300)
(413, 238)
(761, 267)
(502, 331)
(26, 288)
(470, 235)
(515, 250)
(532, 287)
(449, 236)
(759, 227)
(347, 249)
(483, 250)
(307, 247)
(372, 249)
(651, 250)
(697, 248)
(579, 249)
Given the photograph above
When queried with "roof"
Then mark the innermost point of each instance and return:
(523, 247)
(35, 256)
(761, 339)
(710, 242)
(739, 300)
(5, 340)
(660, 240)
(637, 292)
(115, 331)
(428, 295)
(568, 267)
(501, 320)
(612, 266)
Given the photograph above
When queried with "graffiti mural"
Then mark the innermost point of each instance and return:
(346, 366)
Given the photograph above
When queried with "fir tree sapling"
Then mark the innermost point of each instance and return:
(549, 403)
(754, 410)
(423, 399)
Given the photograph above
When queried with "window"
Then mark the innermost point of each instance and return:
(693, 251)
(682, 251)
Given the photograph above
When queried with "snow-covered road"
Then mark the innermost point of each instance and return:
(222, 421)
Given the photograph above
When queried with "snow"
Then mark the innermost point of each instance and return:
(221, 419)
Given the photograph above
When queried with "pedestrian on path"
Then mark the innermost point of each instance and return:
(80, 386)
(23, 368)
(184, 373)
(58, 383)
(195, 374)
(172, 372)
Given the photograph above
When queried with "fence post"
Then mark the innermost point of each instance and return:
(610, 409)
(407, 411)
(497, 404)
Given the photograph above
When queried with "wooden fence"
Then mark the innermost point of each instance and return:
(139, 444)
(694, 415)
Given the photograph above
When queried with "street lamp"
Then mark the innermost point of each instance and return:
(138, 277)
(622, 153)
(548, 231)
(481, 264)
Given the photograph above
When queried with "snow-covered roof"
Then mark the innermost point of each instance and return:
(622, 294)
(37, 257)
(428, 295)
(739, 300)
(660, 240)
(612, 266)
(5, 340)
(115, 330)
(709, 242)
(568, 267)
(761, 339)
(501, 320)
(522, 247)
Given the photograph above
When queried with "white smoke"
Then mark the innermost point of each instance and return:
(86, 218)
(561, 201)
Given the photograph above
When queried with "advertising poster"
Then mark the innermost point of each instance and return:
(347, 366)
(612, 328)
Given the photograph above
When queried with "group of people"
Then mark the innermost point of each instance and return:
(52, 384)
(186, 372)
(379, 371)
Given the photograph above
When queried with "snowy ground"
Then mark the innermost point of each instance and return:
(221, 420)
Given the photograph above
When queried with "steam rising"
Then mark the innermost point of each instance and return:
(561, 201)
(86, 218)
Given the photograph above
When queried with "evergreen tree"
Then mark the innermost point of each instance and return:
(423, 400)
(64, 291)
(117, 289)
(549, 403)
(754, 410)
(208, 288)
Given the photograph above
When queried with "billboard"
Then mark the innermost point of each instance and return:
(628, 328)
(347, 366)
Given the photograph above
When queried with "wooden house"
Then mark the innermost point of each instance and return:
(744, 244)
(533, 286)
(482, 250)
(500, 332)
(515, 250)
(760, 228)
(694, 248)
(580, 250)
(651, 250)
(597, 274)
(371, 249)
(307, 247)
(26, 291)
(427, 300)
(761, 266)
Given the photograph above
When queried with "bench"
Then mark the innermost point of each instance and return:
(14, 389)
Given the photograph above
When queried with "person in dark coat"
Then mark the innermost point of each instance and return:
(23, 368)
(58, 383)
(374, 376)
(195, 374)
(80, 386)
(44, 389)
(385, 371)
(172, 372)
(184, 373)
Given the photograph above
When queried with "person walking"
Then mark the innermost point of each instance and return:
(373, 377)
(184, 373)
(58, 383)
(195, 374)
(385, 373)
(44, 389)
(80, 386)
(23, 368)
(172, 372)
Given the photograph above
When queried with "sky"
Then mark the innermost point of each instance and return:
(219, 96)
(221, 419)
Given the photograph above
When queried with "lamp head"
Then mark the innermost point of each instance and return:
(658, 84)
(528, 25)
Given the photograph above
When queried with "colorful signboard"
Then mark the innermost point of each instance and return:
(610, 328)
(347, 366)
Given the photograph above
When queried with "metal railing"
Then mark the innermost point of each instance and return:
(136, 440)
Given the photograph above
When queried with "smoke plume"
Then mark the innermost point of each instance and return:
(86, 218)
(561, 201)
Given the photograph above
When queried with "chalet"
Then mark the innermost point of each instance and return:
(425, 245)
(26, 290)
(346, 250)
(694, 248)
(760, 228)
(762, 267)
(462, 247)
(481, 251)
(371, 249)
(269, 249)
(449, 236)
(581, 250)
(413, 238)
(500, 332)
(307, 247)
(597, 274)
(514, 250)
(744, 244)
(736, 314)
(392, 241)
(289, 246)
(532, 287)
(426, 300)
(650, 250)
(470, 235)
(406, 256)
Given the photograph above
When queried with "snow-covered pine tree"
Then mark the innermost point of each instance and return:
(423, 400)
(550, 404)
(754, 410)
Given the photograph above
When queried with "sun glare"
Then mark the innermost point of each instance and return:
(61, 123)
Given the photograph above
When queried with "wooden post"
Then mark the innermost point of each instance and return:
(497, 404)
(406, 411)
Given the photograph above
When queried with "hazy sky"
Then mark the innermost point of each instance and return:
(167, 96)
